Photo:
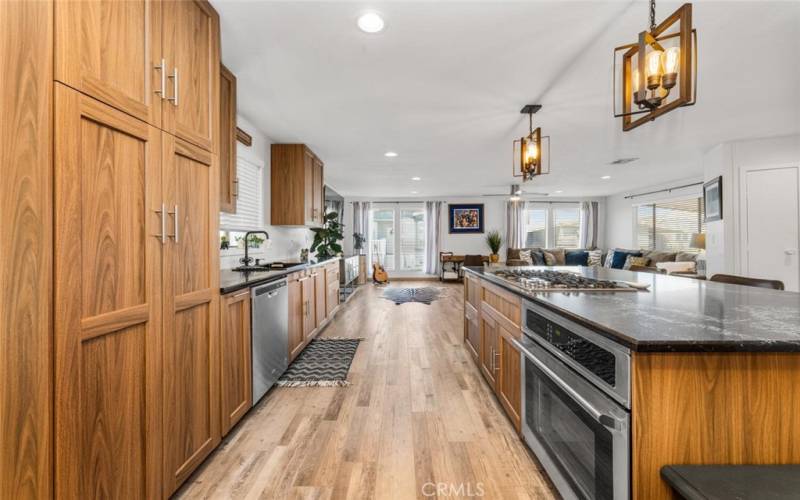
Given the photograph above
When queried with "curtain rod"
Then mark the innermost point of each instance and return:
(667, 190)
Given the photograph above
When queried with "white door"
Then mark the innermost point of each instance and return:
(771, 221)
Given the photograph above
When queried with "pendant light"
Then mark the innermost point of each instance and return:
(659, 72)
(531, 153)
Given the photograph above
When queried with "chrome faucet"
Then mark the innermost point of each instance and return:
(246, 260)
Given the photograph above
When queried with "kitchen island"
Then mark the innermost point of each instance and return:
(711, 371)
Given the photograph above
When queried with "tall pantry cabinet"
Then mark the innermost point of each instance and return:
(136, 261)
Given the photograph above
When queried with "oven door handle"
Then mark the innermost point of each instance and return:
(597, 415)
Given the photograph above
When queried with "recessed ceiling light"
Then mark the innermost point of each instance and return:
(416, 178)
(371, 22)
(559, 191)
(390, 154)
(605, 177)
(413, 192)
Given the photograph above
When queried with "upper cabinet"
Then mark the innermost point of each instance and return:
(297, 186)
(228, 182)
(191, 44)
(155, 60)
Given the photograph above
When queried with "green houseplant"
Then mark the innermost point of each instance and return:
(495, 241)
(327, 238)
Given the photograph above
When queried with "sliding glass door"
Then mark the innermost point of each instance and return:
(397, 236)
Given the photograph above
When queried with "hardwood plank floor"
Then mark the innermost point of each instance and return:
(418, 414)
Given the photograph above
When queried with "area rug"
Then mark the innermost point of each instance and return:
(323, 363)
(424, 295)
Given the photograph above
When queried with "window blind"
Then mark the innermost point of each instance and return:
(669, 225)
(536, 228)
(250, 202)
(566, 226)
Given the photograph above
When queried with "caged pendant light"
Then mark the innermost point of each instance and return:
(659, 72)
(531, 156)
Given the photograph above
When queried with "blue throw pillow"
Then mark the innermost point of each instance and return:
(618, 261)
(577, 258)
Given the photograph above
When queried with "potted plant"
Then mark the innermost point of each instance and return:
(327, 238)
(495, 241)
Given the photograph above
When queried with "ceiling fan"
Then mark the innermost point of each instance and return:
(516, 193)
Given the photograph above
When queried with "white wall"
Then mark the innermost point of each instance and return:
(284, 242)
(727, 160)
(619, 210)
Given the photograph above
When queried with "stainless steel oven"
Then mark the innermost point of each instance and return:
(575, 406)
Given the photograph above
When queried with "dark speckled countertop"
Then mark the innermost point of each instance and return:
(231, 281)
(677, 314)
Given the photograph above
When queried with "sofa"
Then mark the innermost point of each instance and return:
(645, 260)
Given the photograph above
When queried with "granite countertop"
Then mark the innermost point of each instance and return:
(231, 281)
(744, 482)
(676, 314)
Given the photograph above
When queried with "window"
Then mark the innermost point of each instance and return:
(669, 225)
(397, 237)
(552, 226)
(249, 204)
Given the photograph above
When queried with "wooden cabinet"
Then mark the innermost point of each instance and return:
(320, 293)
(191, 47)
(488, 351)
(472, 291)
(472, 331)
(191, 307)
(108, 292)
(309, 319)
(228, 182)
(112, 51)
(297, 177)
(155, 60)
(509, 389)
(235, 358)
(26, 246)
(296, 315)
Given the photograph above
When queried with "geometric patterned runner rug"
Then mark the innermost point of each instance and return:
(424, 295)
(323, 363)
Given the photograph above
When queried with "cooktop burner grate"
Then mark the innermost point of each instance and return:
(547, 280)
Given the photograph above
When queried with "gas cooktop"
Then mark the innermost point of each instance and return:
(543, 280)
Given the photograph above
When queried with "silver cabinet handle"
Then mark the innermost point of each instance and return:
(175, 218)
(241, 294)
(163, 69)
(163, 216)
(236, 188)
(496, 367)
(174, 78)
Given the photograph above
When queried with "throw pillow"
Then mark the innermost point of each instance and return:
(559, 254)
(618, 261)
(635, 261)
(609, 259)
(577, 258)
(526, 256)
(595, 258)
(657, 256)
(686, 257)
(538, 257)
(549, 259)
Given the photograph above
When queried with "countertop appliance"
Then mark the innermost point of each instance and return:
(576, 405)
(270, 335)
(544, 280)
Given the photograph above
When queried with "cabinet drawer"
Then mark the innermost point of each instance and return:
(502, 303)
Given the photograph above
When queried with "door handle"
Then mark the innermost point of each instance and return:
(790, 251)
(163, 69)
(163, 216)
(174, 78)
(175, 224)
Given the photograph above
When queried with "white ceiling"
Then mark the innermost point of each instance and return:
(443, 84)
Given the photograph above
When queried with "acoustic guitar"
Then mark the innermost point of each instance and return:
(379, 274)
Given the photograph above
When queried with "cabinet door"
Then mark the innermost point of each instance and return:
(332, 284)
(318, 196)
(107, 301)
(307, 285)
(235, 375)
(228, 182)
(320, 293)
(191, 307)
(509, 390)
(472, 331)
(296, 311)
(111, 51)
(489, 349)
(308, 188)
(191, 45)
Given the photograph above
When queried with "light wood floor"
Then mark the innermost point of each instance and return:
(417, 412)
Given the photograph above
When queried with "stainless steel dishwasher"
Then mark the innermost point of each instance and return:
(270, 335)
